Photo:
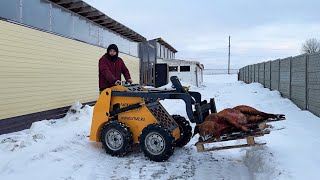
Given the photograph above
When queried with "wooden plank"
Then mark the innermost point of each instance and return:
(250, 140)
(260, 130)
(262, 125)
(230, 147)
(273, 120)
(237, 136)
(200, 147)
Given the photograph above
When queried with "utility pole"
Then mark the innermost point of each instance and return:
(229, 57)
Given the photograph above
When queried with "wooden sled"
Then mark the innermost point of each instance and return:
(259, 130)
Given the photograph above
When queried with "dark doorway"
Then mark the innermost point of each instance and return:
(147, 54)
(161, 74)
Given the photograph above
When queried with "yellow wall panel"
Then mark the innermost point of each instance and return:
(40, 71)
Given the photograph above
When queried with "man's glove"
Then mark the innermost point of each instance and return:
(130, 81)
(118, 82)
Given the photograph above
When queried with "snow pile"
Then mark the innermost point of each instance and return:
(47, 148)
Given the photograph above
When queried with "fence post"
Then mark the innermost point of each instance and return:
(254, 73)
(265, 82)
(270, 69)
(279, 75)
(307, 91)
(259, 72)
(290, 83)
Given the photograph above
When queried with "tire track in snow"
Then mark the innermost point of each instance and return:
(135, 166)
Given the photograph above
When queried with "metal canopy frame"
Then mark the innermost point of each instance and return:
(83, 9)
(167, 45)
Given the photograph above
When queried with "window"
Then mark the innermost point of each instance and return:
(173, 68)
(184, 68)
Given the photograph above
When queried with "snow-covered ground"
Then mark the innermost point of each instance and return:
(60, 149)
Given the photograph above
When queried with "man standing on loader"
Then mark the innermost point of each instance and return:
(110, 69)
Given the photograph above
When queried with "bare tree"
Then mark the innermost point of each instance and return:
(311, 46)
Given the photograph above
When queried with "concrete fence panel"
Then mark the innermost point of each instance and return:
(267, 74)
(250, 73)
(256, 72)
(313, 80)
(296, 78)
(275, 70)
(299, 81)
(261, 73)
(246, 74)
(242, 74)
(285, 77)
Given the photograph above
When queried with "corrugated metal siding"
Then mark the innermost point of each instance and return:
(41, 71)
(298, 81)
(314, 83)
(284, 86)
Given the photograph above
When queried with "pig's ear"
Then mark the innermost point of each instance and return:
(196, 130)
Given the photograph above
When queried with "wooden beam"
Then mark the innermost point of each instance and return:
(107, 21)
(93, 14)
(76, 5)
(103, 17)
(119, 28)
(250, 140)
(127, 34)
(115, 26)
(85, 9)
(110, 25)
(66, 1)
(200, 147)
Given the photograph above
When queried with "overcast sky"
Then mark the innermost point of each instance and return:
(199, 30)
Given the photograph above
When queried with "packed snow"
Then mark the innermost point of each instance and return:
(60, 149)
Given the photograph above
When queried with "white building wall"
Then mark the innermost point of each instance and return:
(194, 76)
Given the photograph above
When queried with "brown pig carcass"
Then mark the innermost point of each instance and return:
(239, 118)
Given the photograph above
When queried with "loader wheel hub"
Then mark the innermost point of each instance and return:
(155, 143)
(114, 139)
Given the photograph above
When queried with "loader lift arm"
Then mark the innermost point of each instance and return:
(189, 97)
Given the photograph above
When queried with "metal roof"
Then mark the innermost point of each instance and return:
(162, 42)
(83, 9)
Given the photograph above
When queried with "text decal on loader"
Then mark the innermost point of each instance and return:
(133, 118)
(124, 104)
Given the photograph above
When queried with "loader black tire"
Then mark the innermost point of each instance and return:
(185, 130)
(156, 143)
(116, 138)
